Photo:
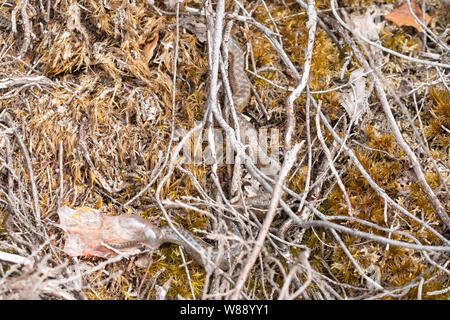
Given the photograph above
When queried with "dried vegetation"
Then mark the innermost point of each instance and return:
(88, 107)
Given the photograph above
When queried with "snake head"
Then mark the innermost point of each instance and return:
(152, 236)
(135, 228)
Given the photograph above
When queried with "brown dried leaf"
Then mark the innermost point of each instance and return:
(402, 17)
(149, 49)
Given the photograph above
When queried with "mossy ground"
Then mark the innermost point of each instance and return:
(100, 73)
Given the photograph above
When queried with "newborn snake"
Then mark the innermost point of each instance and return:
(148, 234)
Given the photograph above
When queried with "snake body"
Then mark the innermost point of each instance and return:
(240, 86)
(139, 231)
(240, 83)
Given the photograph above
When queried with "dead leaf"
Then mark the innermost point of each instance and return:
(149, 49)
(354, 99)
(366, 25)
(402, 17)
